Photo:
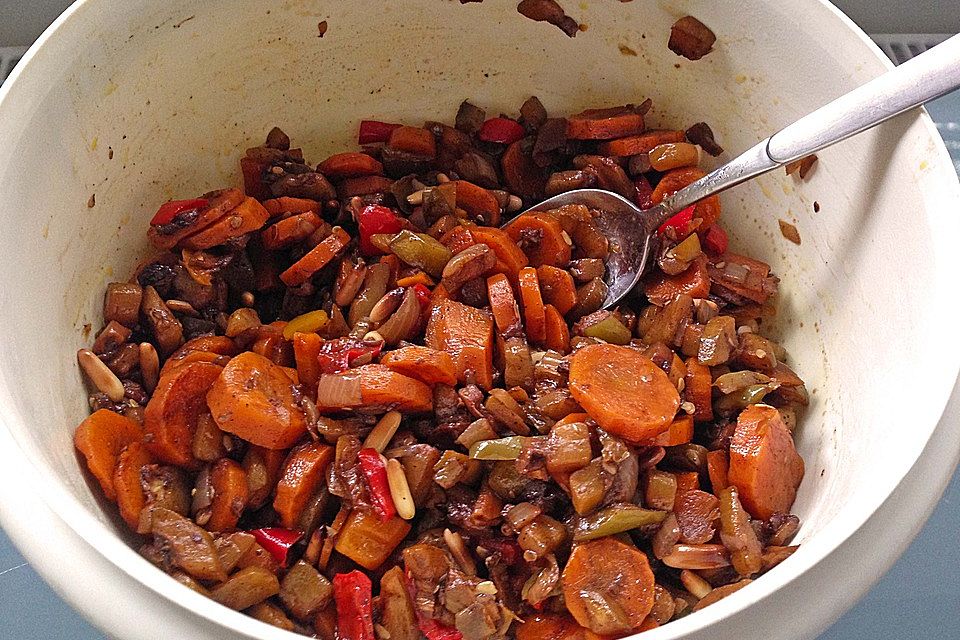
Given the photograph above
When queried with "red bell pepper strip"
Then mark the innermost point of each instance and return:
(715, 240)
(170, 210)
(679, 223)
(374, 219)
(372, 131)
(375, 473)
(434, 630)
(277, 541)
(339, 355)
(353, 595)
(423, 296)
(502, 130)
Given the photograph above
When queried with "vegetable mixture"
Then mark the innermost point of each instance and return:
(345, 401)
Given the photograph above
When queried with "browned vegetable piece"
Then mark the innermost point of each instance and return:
(122, 303)
(691, 38)
(230, 493)
(608, 586)
(101, 438)
(246, 588)
(170, 418)
(186, 545)
(303, 472)
(789, 231)
(418, 468)
(701, 134)
(466, 265)
(398, 616)
(271, 614)
(549, 11)
(803, 166)
(160, 320)
(367, 540)
(542, 536)
(718, 341)
(719, 593)
(304, 590)
(697, 513)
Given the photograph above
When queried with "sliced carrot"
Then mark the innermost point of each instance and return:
(215, 344)
(556, 330)
(623, 391)
(609, 571)
(534, 316)
(351, 164)
(306, 349)
(423, 363)
(672, 181)
(380, 389)
(126, 481)
(604, 124)
(680, 431)
(698, 389)
(572, 418)
(557, 287)
(363, 186)
(764, 464)
(219, 205)
(101, 437)
(285, 204)
(316, 259)
(254, 399)
(521, 174)
(247, 216)
(367, 540)
(466, 333)
(291, 230)
(458, 239)
(542, 239)
(478, 202)
(553, 626)
(503, 304)
(642, 143)
(695, 282)
(271, 344)
(510, 259)
(230, 494)
(413, 140)
(170, 418)
(303, 472)
(417, 278)
(718, 465)
(687, 481)
(438, 295)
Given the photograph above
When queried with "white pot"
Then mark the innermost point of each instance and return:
(178, 89)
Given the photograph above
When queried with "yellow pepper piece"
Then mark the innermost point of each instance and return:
(310, 322)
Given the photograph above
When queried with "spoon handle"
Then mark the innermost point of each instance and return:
(917, 81)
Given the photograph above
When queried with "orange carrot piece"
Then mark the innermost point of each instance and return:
(303, 472)
(642, 143)
(553, 626)
(229, 482)
(221, 345)
(413, 140)
(521, 174)
(306, 349)
(534, 315)
(764, 465)
(542, 239)
(698, 389)
(316, 259)
(503, 304)
(438, 295)
(255, 399)
(286, 204)
(557, 287)
(417, 278)
(247, 216)
(170, 418)
(687, 481)
(423, 363)
(695, 282)
(458, 239)
(510, 259)
(466, 333)
(680, 431)
(607, 570)
(478, 202)
(556, 330)
(351, 164)
(571, 418)
(381, 389)
(623, 391)
(126, 481)
(363, 186)
(170, 366)
(718, 466)
(101, 437)
(368, 541)
(604, 124)
(672, 181)
(271, 344)
(291, 230)
(219, 205)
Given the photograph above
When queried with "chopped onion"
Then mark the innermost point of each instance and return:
(335, 390)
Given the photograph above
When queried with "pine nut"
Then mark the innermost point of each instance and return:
(247, 299)
(103, 379)
(514, 204)
(400, 490)
(695, 584)
(179, 306)
(487, 587)
(459, 551)
(416, 198)
(443, 178)
(383, 433)
(149, 366)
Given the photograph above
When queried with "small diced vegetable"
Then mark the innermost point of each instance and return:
(369, 541)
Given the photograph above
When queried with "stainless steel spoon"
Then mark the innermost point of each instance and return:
(632, 231)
